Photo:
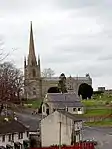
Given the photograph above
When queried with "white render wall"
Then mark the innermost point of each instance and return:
(70, 109)
(15, 139)
(50, 127)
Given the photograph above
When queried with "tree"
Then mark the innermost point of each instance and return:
(62, 83)
(4, 55)
(11, 82)
(47, 72)
(85, 91)
(53, 90)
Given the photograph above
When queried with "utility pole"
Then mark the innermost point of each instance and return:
(60, 135)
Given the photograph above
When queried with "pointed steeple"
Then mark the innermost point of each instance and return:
(31, 57)
(25, 62)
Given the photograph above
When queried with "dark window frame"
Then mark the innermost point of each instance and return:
(74, 109)
(3, 138)
(20, 135)
(9, 137)
(79, 109)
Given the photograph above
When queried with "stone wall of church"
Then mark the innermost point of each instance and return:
(72, 84)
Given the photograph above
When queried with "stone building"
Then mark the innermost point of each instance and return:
(35, 85)
(60, 128)
(66, 101)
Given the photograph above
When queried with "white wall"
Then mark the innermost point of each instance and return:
(49, 130)
(50, 127)
(70, 109)
(15, 139)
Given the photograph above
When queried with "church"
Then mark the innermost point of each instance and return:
(36, 86)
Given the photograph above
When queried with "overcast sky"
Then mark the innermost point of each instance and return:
(71, 36)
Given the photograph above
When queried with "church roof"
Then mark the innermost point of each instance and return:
(75, 78)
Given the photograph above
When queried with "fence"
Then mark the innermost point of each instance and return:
(83, 145)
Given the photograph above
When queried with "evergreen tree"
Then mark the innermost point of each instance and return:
(62, 83)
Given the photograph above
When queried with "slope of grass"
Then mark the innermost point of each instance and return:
(33, 104)
(98, 112)
(107, 123)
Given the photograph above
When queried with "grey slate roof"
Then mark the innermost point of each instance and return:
(71, 116)
(66, 97)
(12, 127)
(67, 104)
(60, 100)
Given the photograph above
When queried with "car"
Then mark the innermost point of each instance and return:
(92, 141)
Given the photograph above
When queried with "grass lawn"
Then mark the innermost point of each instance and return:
(107, 123)
(99, 100)
(33, 104)
(93, 103)
(98, 112)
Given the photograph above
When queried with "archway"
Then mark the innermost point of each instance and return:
(53, 90)
(85, 91)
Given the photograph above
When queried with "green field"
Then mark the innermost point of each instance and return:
(32, 104)
(106, 123)
(98, 100)
(98, 112)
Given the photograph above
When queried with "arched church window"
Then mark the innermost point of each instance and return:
(34, 73)
(34, 91)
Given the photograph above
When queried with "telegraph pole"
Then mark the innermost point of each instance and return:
(60, 135)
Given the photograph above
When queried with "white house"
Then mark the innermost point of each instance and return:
(55, 101)
(13, 134)
(60, 127)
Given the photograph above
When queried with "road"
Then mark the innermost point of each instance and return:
(102, 135)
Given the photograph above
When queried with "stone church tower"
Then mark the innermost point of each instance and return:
(35, 86)
(32, 72)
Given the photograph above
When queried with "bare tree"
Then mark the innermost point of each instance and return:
(3, 53)
(48, 72)
(11, 82)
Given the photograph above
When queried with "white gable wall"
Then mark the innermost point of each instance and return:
(50, 127)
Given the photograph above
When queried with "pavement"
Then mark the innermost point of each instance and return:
(100, 134)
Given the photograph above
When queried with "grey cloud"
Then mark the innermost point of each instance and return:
(73, 36)
(65, 4)
(105, 58)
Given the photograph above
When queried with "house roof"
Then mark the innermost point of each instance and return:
(64, 100)
(32, 125)
(12, 126)
(62, 97)
(66, 113)
(69, 115)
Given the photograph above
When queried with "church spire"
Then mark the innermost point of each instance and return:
(31, 57)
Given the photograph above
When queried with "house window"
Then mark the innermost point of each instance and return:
(74, 109)
(79, 109)
(34, 91)
(3, 138)
(66, 109)
(12, 137)
(20, 135)
(9, 137)
(54, 110)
